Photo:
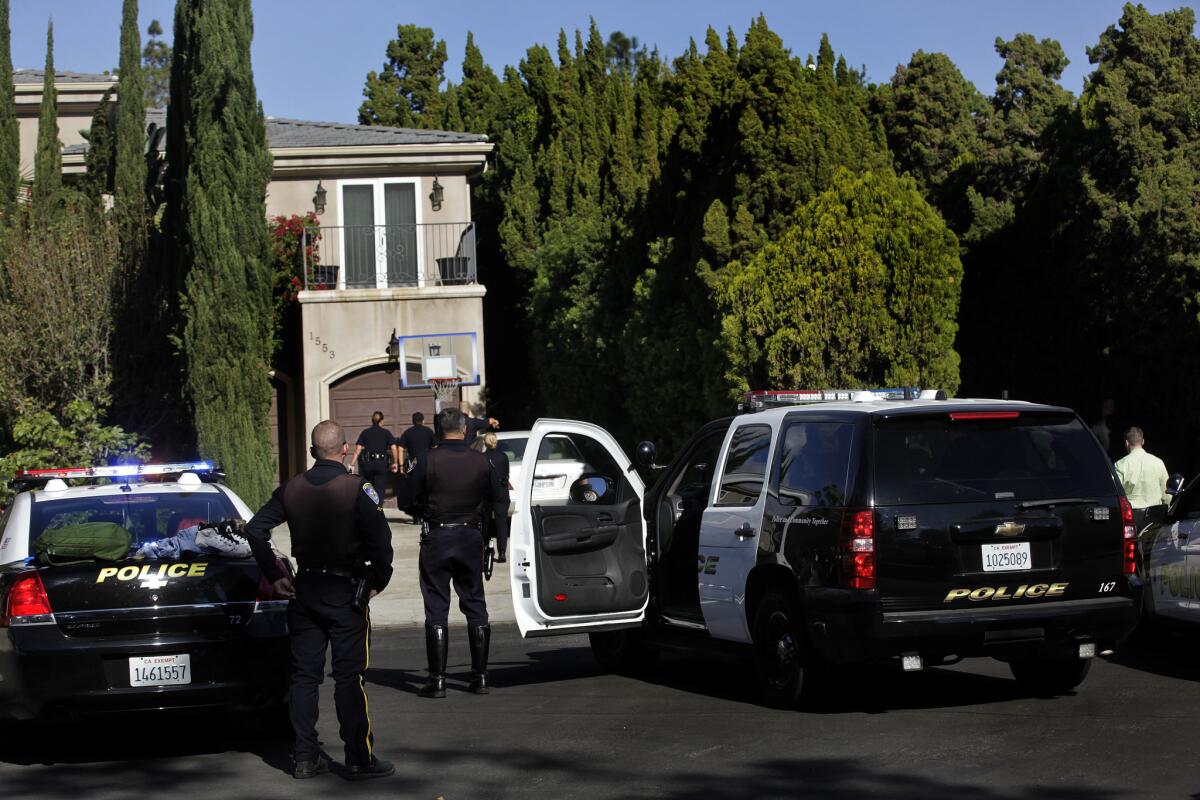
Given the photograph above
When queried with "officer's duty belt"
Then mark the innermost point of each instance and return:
(341, 573)
(377, 455)
(475, 525)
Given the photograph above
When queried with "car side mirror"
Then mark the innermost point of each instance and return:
(592, 489)
(1174, 484)
(646, 451)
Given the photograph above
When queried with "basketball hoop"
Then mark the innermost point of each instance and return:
(445, 390)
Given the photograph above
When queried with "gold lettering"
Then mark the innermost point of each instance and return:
(105, 574)
(196, 570)
(1002, 594)
(1020, 592)
(162, 570)
(956, 594)
(982, 593)
(1057, 589)
(127, 573)
(177, 570)
(145, 572)
(1037, 590)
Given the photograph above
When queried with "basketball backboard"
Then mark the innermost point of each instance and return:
(439, 355)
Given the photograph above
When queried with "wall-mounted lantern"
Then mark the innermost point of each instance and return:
(319, 198)
(435, 350)
(435, 197)
(393, 351)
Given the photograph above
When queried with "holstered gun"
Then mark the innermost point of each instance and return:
(489, 553)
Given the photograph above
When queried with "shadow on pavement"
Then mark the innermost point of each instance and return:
(1165, 653)
(538, 667)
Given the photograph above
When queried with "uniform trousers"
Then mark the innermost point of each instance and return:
(378, 472)
(320, 616)
(453, 555)
(497, 525)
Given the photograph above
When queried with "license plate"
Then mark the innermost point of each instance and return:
(1007, 557)
(545, 483)
(160, 670)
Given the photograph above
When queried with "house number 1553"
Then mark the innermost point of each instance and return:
(316, 340)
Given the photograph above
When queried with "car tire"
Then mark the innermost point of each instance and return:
(782, 658)
(1050, 676)
(624, 651)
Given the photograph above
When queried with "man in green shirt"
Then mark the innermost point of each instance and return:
(1144, 476)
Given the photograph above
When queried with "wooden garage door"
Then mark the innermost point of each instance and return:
(353, 399)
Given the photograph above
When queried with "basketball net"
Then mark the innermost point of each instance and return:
(445, 390)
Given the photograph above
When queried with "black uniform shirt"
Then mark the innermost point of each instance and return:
(376, 440)
(451, 485)
(499, 462)
(416, 440)
(371, 538)
(474, 428)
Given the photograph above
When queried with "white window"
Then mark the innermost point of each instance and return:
(380, 244)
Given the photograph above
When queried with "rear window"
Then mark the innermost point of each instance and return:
(514, 449)
(922, 460)
(148, 517)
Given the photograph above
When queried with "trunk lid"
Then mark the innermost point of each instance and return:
(980, 511)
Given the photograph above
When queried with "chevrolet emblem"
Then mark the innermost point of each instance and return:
(1010, 529)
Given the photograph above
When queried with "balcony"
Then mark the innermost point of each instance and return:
(389, 256)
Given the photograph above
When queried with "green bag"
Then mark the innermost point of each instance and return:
(87, 541)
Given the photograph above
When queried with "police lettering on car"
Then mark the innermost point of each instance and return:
(339, 537)
(449, 489)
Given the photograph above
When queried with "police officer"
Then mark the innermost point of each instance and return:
(450, 488)
(373, 451)
(339, 537)
(414, 441)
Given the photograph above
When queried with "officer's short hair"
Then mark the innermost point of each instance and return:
(1135, 436)
(328, 438)
(418, 418)
(451, 420)
(377, 418)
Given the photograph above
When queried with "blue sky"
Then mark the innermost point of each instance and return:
(311, 58)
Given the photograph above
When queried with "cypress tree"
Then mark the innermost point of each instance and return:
(99, 160)
(129, 177)
(10, 138)
(219, 133)
(47, 161)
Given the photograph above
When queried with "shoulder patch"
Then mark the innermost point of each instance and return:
(371, 493)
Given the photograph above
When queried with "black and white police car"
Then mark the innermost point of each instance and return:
(168, 628)
(1169, 561)
(832, 527)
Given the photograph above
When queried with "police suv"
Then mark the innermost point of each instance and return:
(831, 527)
(162, 624)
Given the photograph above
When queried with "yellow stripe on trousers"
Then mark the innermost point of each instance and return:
(363, 689)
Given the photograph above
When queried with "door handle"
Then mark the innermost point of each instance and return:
(745, 531)
(604, 518)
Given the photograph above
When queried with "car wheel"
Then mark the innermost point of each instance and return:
(1049, 676)
(781, 651)
(623, 651)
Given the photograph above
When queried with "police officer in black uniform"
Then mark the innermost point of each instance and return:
(450, 488)
(339, 537)
(376, 454)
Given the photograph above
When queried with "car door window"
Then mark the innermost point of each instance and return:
(745, 466)
(695, 479)
(814, 462)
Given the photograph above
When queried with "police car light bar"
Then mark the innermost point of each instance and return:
(763, 398)
(121, 471)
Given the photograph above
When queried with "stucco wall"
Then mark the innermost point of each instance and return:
(353, 328)
(71, 123)
(293, 195)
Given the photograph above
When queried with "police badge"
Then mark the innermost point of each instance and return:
(371, 493)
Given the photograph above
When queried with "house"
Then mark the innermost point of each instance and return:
(392, 296)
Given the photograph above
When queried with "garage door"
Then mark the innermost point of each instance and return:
(353, 400)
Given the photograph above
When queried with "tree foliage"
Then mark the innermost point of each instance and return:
(10, 137)
(47, 159)
(129, 163)
(407, 93)
(220, 168)
(860, 290)
(156, 67)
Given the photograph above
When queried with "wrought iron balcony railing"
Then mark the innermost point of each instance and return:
(389, 256)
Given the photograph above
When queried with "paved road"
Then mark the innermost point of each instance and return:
(558, 728)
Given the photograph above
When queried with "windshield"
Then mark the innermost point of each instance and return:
(148, 517)
(512, 448)
(1033, 457)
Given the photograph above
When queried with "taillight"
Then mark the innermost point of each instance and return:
(1129, 542)
(858, 549)
(26, 598)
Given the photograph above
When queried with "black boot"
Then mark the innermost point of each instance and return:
(480, 637)
(437, 644)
